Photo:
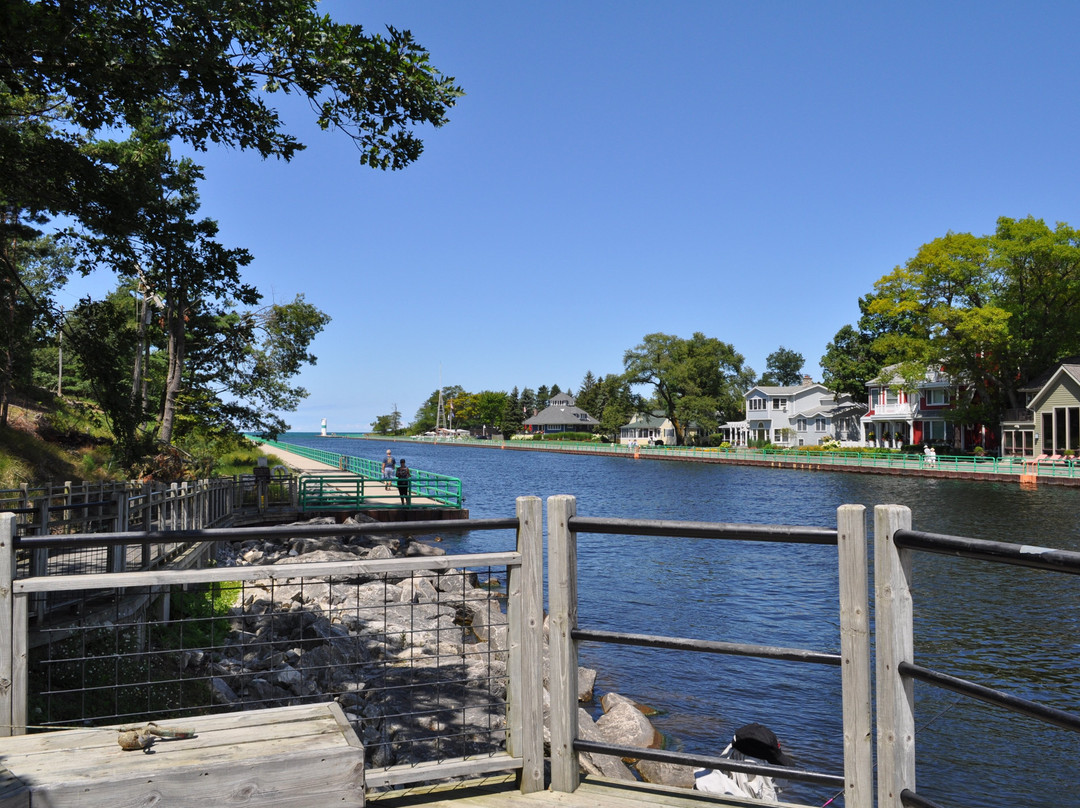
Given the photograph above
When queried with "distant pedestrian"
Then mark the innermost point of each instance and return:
(388, 470)
(403, 473)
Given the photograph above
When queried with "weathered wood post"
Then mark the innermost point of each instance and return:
(895, 643)
(525, 615)
(562, 620)
(855, 656)
(14, 623)
(7, 614)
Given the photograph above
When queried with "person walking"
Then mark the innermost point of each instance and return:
(403, 474)
(388, 470)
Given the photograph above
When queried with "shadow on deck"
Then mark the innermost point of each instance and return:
(502, 792)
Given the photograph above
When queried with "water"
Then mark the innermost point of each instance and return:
(1016, 629)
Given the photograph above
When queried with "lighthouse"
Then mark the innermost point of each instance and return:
(324, 427)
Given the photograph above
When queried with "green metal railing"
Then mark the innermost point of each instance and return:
(1065, 467)
(363, 485)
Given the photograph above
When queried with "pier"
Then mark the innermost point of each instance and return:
(506, 655)
(332, 483)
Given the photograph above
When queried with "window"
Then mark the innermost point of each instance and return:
(935, 432)
(779, 403)
(800, 424)
(778, 436)
(757, 404)
(937, 397)
(821, 424)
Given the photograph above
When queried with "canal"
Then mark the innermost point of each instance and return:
(1019, 628)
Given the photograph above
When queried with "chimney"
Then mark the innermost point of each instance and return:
(806, 379)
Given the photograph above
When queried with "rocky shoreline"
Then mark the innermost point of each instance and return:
(417, 660)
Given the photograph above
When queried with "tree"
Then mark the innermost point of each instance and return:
(30, 271)
(427, 413)
(207, 72)
(700, 379)
(783, 367)
(512, 415)
(849, 363)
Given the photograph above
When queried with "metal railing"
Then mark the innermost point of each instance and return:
(564, 527)
(1014, 466)
(445, 490)
(434, 675)
(895, 545)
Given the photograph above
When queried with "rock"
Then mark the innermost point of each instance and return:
(666, 774)
(603, 765)
(609, 700)
(624, 725)
(586, 682)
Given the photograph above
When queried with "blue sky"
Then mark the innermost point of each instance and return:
(746, 170)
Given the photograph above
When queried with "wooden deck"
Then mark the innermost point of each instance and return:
(594, 792)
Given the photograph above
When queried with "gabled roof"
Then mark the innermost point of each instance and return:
(558, 415)
(1063, 371)
(793, 390)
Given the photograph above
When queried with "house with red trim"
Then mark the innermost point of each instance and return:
(899, 415)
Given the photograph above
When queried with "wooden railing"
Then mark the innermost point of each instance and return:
(895, 546)
(564, 527)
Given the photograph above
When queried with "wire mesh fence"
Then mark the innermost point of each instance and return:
(417, 658)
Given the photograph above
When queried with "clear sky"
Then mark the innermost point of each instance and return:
(615, 169)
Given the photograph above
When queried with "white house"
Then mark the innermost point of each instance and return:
(799, 415)
(651, 428)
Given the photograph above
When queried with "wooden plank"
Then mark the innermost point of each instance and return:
(7, 615)
(526, 626)
(13, 792)
(562, 649)
(419, 772)
(855, 652)
(276, 572)
(293, 756)
(894, 643)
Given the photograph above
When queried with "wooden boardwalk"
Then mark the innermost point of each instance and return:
(593, 792)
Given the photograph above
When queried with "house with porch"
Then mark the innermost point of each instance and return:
(561, 415)
(652, 428)
(1049, 426)
(797, 415)
(900, 414)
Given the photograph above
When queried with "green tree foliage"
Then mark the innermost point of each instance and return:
(103, 335)
(994, 311)
(700, 379)
(849, 363)
(512, 415)
(29, 272)
(783, 367)
(424, 420)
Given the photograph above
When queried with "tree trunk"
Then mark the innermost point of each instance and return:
(177, 339)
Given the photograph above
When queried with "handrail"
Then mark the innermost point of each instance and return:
(564, 526)
(895, 543)
(524, 616)
(440, 487)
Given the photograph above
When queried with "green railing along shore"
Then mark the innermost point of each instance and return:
(1014, 466)
(446, 491)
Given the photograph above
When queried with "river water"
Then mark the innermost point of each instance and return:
(1012, 628)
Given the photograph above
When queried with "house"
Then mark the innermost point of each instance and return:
(653, 428)
(561, 415)
(1050, 424)
(797, 415)
(900, 415)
